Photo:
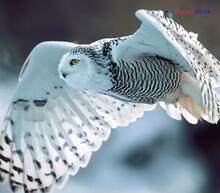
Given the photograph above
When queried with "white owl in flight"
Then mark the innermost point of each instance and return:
(69, 97)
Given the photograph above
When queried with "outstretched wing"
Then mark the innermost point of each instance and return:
(159, 35)
(50, 130)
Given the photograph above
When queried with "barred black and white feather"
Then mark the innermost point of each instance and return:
(145, 80)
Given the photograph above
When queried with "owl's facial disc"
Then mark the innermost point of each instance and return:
(80, 71)
(71, 64)
(74, 69)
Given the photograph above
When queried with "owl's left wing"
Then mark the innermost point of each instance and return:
(51, 130)
(160, 35)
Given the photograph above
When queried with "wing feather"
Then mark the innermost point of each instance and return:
(163, 36)
(159, 35)
(51, 130)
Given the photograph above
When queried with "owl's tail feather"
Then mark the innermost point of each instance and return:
(193, 103)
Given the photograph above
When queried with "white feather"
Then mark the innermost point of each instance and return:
(56, 128)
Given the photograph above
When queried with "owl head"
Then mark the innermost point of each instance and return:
(80, 70)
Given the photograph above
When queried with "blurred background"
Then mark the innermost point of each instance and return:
(154, 155)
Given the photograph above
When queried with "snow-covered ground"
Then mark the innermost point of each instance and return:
(149, 156)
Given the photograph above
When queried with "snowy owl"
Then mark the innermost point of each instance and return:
(69, 97)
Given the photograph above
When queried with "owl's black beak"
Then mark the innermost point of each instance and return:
(62, 75)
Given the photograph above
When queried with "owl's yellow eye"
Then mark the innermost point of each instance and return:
(74, 62)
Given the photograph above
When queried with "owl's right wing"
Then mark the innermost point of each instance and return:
(51, 130)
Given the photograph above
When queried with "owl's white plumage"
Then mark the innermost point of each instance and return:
(54, 123)
(86, 71)
(70, 119)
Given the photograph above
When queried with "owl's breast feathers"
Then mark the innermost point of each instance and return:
(145, 80)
